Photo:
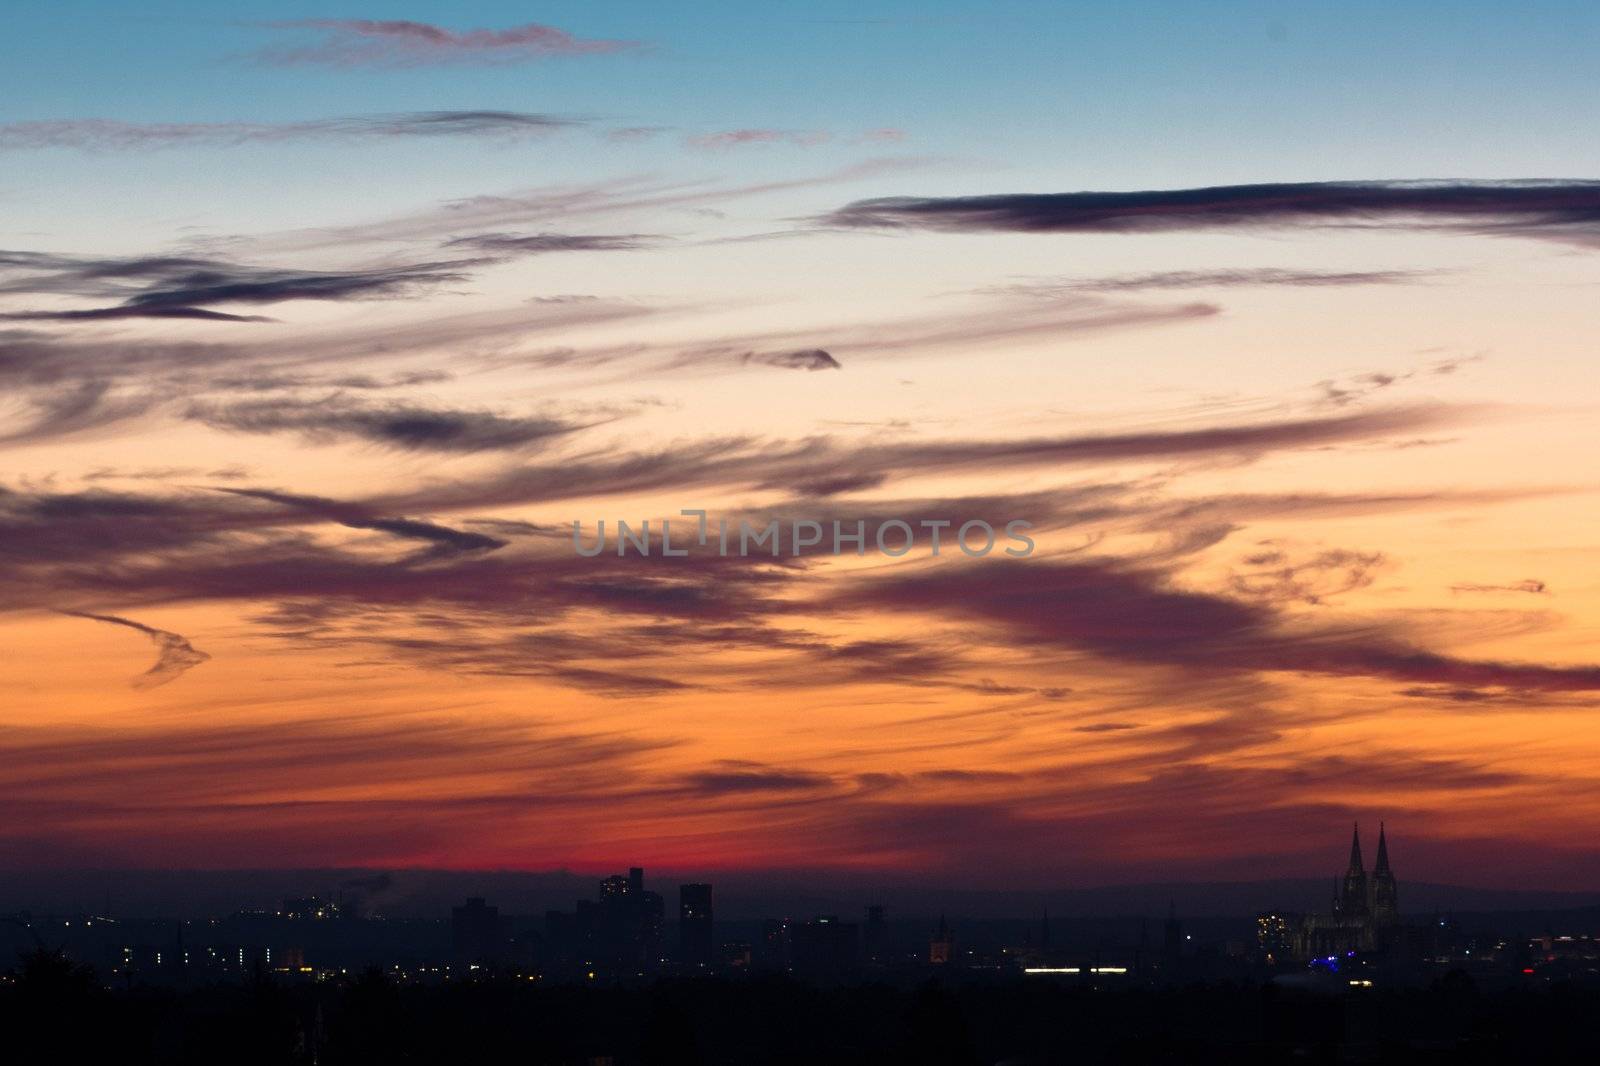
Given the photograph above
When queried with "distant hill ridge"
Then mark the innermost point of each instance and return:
(429, 893)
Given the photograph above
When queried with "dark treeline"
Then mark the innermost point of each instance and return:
(56, 1011)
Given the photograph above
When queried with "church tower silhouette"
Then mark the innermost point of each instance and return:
(1385, 898)
(1353, 899)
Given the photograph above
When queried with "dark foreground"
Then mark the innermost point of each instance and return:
(55, 1012)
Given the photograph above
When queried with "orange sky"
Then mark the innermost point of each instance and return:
(286, 529)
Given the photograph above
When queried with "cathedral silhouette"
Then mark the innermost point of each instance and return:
(1366, 910)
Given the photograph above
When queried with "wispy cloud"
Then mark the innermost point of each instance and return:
(1251, 277)
(107, 314)
(322, 357)
(1531, 586)
(748, 462)
(553, 206)
(460, 603)
(765, 135)
(1136, 613)
(1273, 575)
(181, 287)
(101, 134)
(75, 407)
(750, 136)
(402, 426)
(993, 322)
(403, 43)
(176, 654)
(443, 539)
(546, 243)
(250, 793)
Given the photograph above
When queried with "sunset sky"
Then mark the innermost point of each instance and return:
(320, 327)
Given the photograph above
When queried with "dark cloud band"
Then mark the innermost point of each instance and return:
(1555, 210)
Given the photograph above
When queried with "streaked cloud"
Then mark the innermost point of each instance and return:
(180, 287)
(1531, 586)
(442, 539)
(399, 425)
(1136, 613)
(323, 356)
(1245, 277)
(102, 134)
(1564, 211)
(75, 407)
(404, 43)
(752, 136)
(745, 462)
(546, 243)
(749, 136)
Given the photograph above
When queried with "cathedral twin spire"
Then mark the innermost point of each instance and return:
(1356, 865)
(1359, 897)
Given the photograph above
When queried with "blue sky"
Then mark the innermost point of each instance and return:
(1037, 95)
(1431, 88)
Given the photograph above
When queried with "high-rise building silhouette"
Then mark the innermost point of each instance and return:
(943, 945)
(475, 932)
(630, 922)
(824, 947)
(876, 936)
(695, 928)
(620, 933)
(1172, 939)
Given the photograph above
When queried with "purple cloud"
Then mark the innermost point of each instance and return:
(1566, 211)
(739, 137)
(403, 43)
(100, 134)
